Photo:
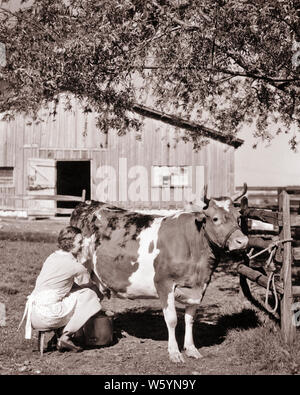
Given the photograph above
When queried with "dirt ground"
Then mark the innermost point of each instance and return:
(233, 337)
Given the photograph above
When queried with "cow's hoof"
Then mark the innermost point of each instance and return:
(176, 357)
(193, 352)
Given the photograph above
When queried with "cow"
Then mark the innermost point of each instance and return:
(134, 255)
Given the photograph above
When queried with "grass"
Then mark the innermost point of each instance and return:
(19, 267)
(263, 351)
(234, 339)
(256, 341)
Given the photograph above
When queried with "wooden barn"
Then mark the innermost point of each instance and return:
(43, 164)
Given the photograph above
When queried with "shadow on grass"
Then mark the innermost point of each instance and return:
(150, 324)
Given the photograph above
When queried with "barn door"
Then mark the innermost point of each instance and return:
(42, 184)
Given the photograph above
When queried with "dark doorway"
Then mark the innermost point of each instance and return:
(72, 178)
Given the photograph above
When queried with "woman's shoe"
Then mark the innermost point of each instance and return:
(66, 344)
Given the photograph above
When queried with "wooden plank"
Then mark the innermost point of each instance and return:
(288, 330)
(257, 277)
(15, 197)
(231, 169)
(263, 206)
(11, 208)
(240, 188)
(296, 253)
(65, 198)
(294, 198)
(20, 183)
(263, 215)
(295, 219)
(263, 199)
(289, 189)
(296, 290)
(40, 211)
(262, 196)
(64, 210)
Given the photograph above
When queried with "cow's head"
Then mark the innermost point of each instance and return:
(221, 223)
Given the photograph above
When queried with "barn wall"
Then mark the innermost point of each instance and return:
(73, 135)
(158, 146)
(10, 143)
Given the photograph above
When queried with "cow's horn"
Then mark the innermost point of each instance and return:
(206, 200)
(238, 195)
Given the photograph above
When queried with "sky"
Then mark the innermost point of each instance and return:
(273, 164)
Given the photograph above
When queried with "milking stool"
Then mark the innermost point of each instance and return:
(51, 342)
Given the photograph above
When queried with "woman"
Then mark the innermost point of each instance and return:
(56, 300)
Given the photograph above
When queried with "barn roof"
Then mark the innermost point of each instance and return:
(188, 125)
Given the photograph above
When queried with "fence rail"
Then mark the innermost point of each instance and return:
(63, 198)
(267, 197)
(40, 211)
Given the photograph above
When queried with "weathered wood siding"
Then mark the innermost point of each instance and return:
(158, 147)
(73, 135)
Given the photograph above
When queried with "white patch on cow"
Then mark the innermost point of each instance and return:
(88, 258)
(87, 249)
(142, 280)
(223, 203)
(93, 254)
(100, 284)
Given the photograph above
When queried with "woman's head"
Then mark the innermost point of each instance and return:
(70, 239)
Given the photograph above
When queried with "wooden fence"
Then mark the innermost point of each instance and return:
(280, 208)
(267, 197)
(37, 212)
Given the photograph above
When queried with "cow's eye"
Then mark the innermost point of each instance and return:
(215, 219)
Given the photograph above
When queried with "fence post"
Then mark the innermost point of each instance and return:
(83, 195)
(288, 330)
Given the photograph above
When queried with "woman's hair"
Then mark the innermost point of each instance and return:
(66, 237)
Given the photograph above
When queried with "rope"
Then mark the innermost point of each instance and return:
(271, 277)
(272, 245)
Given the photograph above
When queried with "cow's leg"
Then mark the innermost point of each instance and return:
(169, 310)
(189, 346)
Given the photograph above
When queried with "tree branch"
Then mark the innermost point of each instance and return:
(233, 74)
(283, 83)
(31, 22)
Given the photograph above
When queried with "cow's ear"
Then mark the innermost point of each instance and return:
(193, 206)
(244, 205)
(200, 220)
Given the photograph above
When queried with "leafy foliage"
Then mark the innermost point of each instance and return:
(219, 62)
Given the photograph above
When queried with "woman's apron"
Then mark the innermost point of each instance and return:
(47, 310)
